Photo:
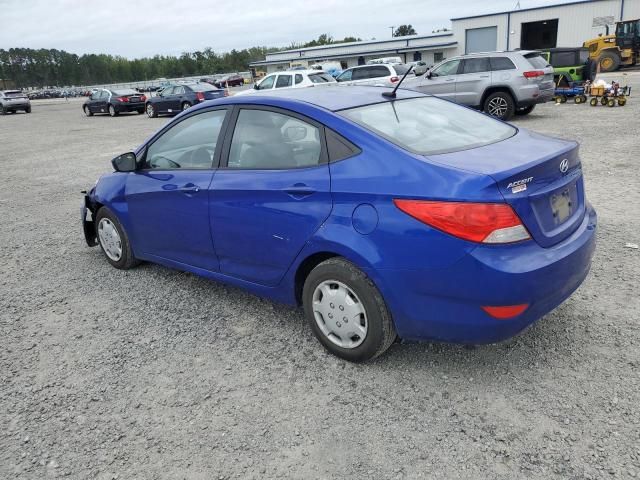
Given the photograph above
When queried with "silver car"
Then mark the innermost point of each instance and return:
(499, 83)
(14, 100)
(381, 75)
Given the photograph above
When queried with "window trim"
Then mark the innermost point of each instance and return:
(233, 119)
(215, 163)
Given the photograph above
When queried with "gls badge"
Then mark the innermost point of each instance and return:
(519, 185)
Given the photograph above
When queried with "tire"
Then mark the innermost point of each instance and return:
(110, 243)
(186, 106)
(609, 62)
(360, 294)
(563, 99)
(112, 111)
(525, 110)
(3, 111)
(583, 98)
(603, 101)
(499, 105)
(86, 111)
(152, 112)
(28, 109)
(622, 102)
(577, 99)
(611, 102)
(594, 102)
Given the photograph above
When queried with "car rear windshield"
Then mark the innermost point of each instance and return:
(13, 93)
(202, 87)
(321, 77)
(125, 91)
(401, 69)
(536, 60)
(428, 125)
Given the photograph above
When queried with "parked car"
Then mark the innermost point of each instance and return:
(114, 102)
(291, 79)
(13, 100)
(419, 67)
(175, 98)
(384, 75)
(499, 83)
(230, 81)
(568, 64)
(411, 217)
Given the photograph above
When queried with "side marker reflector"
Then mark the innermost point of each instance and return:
(506, 312)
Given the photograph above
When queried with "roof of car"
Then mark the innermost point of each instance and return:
(331, 97)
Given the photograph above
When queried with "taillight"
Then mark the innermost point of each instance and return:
(200, 96)
(394, 79)
(534, 74)
(506, 312)
(143, 98)
(123, 99)
(476, 222)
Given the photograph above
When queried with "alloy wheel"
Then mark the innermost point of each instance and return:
(150, 111)
(497, 107)
(339, 314)
(110, 239)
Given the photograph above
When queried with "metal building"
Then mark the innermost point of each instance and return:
(559, 25)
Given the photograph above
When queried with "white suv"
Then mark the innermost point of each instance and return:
(385, 75)
(291, 79)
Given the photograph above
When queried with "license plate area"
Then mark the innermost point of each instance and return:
(561, 206)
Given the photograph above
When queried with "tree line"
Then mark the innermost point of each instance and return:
(26, 67)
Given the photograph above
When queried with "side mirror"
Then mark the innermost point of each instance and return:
(429, 74)
(125, 162)
(256, 87)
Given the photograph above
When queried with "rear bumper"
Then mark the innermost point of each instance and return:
(21, 105)
(533, 94)
(129, 107)
(445, 305)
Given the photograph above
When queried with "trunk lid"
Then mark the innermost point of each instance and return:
(539, 176)
(213, 94)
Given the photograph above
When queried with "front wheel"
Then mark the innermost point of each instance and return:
(113, 240)
(112, 111)
(499, 105)
(87, 111)
(28, 109)
(346, 312)
(151, 111)
(525, 110)
(186, 106)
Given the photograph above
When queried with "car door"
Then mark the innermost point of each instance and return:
(271, 195)
(175, 100)
(167, 197)
(440, 81)
(100, 102)
(472, 82)
(163, 100)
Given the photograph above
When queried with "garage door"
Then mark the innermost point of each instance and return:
(481, 39)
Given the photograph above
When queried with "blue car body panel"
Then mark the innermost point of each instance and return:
(256, 228)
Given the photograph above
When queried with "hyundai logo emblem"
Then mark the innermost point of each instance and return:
(564, 165)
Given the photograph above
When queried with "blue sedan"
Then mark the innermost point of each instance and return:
(384, 218)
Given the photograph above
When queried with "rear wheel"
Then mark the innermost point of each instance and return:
(525, 110)
(499, 105)
(609, 62)
(86, 111)
(151, 111)
(611, 102)
(603, 101)
(563, 99)
(28, 109)
(114, 241)
(594, 102)
(577, 99)
(622, 101)
(112, 111)
(186, 106)
(346, 312)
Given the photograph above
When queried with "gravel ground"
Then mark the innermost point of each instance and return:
(154, 373)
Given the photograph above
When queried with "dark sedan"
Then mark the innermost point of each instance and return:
(114, 102)
(175, 98)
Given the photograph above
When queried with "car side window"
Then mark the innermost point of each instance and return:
(167, 91)
(501, 63)
(378, 71)
(264, 139)
(283, 81)
(178, 91)
(475, 65)
(345, 76)
(267, 82)
(298, 78)
(447, 68)
(361, 73)
(190, 143)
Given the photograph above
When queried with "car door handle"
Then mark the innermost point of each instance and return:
(484, 76)
(299, 190)
(449, 79)
(189, 188)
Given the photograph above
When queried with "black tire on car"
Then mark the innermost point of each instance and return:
(111, 243)
(499, 105)
(152, 112)
(372, 331)
(186, 106)
(87, 111)
(112, 111)
(28, 109)
(525, 110)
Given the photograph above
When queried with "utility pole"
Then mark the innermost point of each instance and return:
(392, 27)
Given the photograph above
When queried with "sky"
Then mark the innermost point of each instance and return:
(139, 28)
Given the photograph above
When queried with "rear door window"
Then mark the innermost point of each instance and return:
(361, 73)
(475, 65)
(378, 71)
(283, 81)
(501, 63)
(298, 78)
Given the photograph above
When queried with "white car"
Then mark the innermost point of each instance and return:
(291, 79)
(384, 75)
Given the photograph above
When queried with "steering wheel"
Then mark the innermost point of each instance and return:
(196, 154)
(158, 160)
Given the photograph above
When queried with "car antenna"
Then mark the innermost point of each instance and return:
(392, 94)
